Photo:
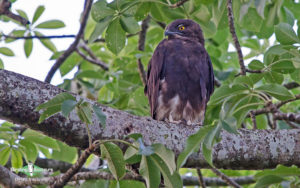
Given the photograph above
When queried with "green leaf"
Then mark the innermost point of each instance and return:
(251, 21)
(170, 179)
(268, 180)
(4, 155)
(1, 64)
(100, 115)
(280, 170)
(277, 91)
(131, 155)
(115, 36)
(150, 172)
(56, 101)
(144, 150)
(192, 145)
(226, 91)
(283, 66)
(84, 112)
(30, 150)
(73, 60)
(6, 51)
(67, 106)
(65, 153)
(16, 159)
(166, 155)
(99, 28)
(115, 159)
(38, 12)
(22, 13)
(51, 24)
(256, 65)
(41, 140)
(28, 46)
(142, 10)
(285, 34)
(46, 42)
(100, 10)
(228, 127)
(129, 24)
(207, 154)
(260, 7)
(273, 77)
(126, 184)
(48, 112)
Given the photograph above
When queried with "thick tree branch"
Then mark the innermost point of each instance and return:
(235, 38)
(250, 149)
(141, 47)
(73, 46)
(4, 10)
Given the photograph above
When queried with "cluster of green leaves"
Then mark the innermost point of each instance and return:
(65, 103)
(34, 29)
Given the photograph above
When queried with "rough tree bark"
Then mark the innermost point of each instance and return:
(251, 149)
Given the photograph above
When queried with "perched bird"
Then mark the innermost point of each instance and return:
(180, 76)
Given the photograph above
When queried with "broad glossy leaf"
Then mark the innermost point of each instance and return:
(51, 24)
(129, 24)
(100, 115)
(56, 101)
(142, 10)
(296, 75)
(285, 34)
(16, 159)
(6, 51)
(115, 36)
(44, 141)
(100, 10)
(252, 21)
(46, 42)
(207, 154)
(65, 153)
(219, 12)
(4, 155)
(99, 28)
(30, 150)
(277, 91)
(28, 46)
(150, 172)
(48, 112)
(67, 106)
(280, 170)
(226, 126)
(38, 12)
(68, 65)
(172, 180)
(256, 65)
(84, 112)
(192, 145)
(260, 7)
(166, 155)
(282, 66)
(226, 91)
(131, 154)
(115, 159)
(272, 52)
(273, 77)
(266, 181)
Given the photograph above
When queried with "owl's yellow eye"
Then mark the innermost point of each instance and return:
(181, 28)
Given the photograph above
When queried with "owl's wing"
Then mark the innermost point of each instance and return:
(155, 73)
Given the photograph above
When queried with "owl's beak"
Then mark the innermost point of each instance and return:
(169, 33)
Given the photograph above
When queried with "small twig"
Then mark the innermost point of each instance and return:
(37, 37)
(74, 45)
(4, 10)
(281, 103)
(63, 180)
(291, 85)
(94, 61)
(200, 178)
(235, 38)
(269, 120)
(254, 71)
(292, 125)
(253, 118)
(141, 47)
(127, 36)
(274, 122)
(294, 117)
(178, 4)
(225, 178)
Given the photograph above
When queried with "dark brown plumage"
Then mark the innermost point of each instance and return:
(180, 76)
